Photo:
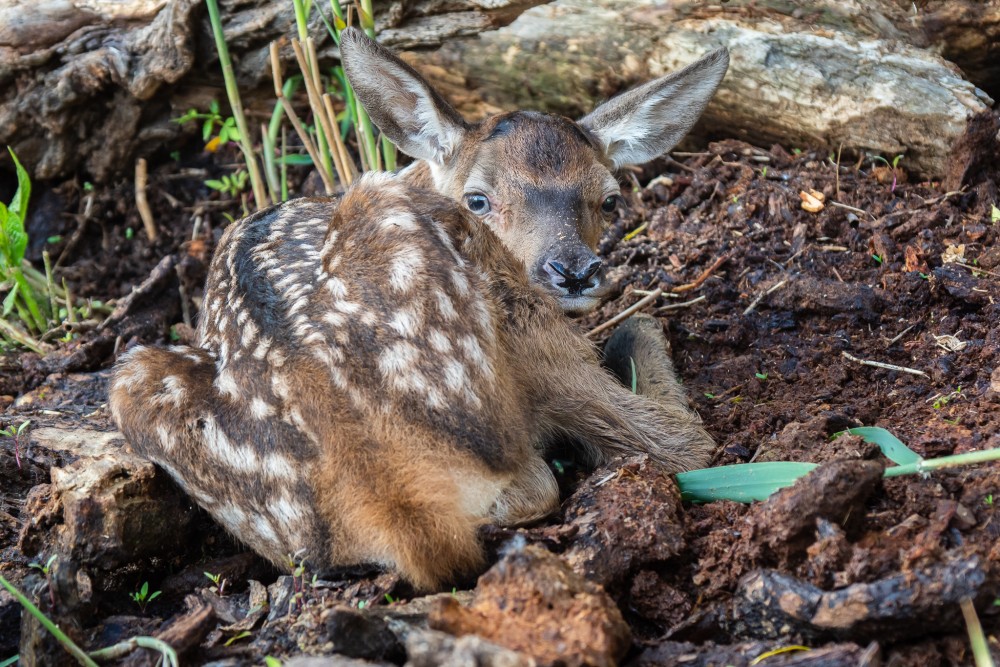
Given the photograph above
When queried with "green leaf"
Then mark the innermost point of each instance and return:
(295, 160)
(14, 658)
(8, 302)
(206, 130)
(742, 483)
(155, 595)
(891, 446)
(19, 202)
(215, 184)
(144, 590)
(994, 214)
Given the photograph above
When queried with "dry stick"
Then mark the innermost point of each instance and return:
(345, 159)
(976, 269)
(682, 304)
(837, 168)
(899, 335)
(851, 208)
(141, 203)
(879, 364)
(634, 308)
(703, 277)
(333, 141)
(315, 101)
(760, 297)
(185, 308)
(293, 118)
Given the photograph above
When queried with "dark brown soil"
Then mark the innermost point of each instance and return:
(844, 563)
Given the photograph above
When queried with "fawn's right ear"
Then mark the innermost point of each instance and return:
(399, 101)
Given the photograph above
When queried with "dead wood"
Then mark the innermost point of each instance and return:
(863, 75)
(90, 86)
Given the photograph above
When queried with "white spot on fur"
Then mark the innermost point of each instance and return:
(405, 268)
(439, 341)
(262, 347)
(334, 319)
(405, 322)
(261, 409)
(445, 306)
(454, 375)
(398, 220)
(460, 281)
(474, 353)
(167, 439)
(336, 287)
(347, 307)
(226, 384)
(398, 359)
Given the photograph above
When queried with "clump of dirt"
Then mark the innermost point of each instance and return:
(775, 314)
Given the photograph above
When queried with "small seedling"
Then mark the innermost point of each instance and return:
(129, 233)
(46, 570)
(994, 214)
(235, 638)
(945, 400)
(796, 151)
(271, 661)
(17, 434)
(763, 172)
(361, 604)
(227, 130)
(709, 395)
(52, 240)
(230, 184)
(988, 500)
(143, 597)
(297, 564)
(877, 258)
(218, 583)
(761, 376)
(390, 600)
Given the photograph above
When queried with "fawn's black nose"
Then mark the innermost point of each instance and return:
(574, 280)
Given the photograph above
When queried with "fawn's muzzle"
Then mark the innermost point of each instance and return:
(574, 281)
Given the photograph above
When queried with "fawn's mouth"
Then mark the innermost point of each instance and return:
(578, 303)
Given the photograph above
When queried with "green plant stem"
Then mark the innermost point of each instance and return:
(952, 461)
(60, 636)
(29, 300)
(50, 287)
(14, 334)
(121, 649)
(236, 104)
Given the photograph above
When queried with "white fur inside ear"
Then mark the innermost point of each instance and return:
(646, 122)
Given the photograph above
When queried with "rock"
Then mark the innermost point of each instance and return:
(360, 635)
(531, 601)
(426, 648)
(625, 516)
(105, 510)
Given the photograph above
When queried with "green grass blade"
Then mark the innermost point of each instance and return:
(890, 445)
(10, 661)
(19, 203)
(54, 629)
(742, 483)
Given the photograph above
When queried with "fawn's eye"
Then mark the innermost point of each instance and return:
(609, 205)
(478, 204)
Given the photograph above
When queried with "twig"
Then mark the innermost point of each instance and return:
(634, 308)
(837, 170)
(703, 277)
(879, 364)
(976, 269)
(851, 208)
(902, 333)
(683, 304)
(760, 297)
(146, 213)
(185, 308)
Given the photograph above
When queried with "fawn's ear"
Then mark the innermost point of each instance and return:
(399, 101)
(646, 122)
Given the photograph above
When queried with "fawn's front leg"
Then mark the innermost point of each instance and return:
(591, 406)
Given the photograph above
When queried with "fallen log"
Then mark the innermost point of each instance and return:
(832, 75)
(92, 85)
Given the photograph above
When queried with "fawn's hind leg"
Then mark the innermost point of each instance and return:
(239, 468)
(639, 347)
(532, 494)
(392, 498)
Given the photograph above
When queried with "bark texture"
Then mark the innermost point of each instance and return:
(865, 75)
(90, 84)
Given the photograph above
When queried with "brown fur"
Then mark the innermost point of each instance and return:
(377, 376)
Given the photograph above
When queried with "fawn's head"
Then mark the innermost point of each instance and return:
(543, 183)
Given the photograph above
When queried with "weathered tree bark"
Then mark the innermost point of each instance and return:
(90, 84)
(865, 75)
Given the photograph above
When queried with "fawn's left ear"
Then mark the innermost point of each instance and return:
(646, 122)
(399, 101)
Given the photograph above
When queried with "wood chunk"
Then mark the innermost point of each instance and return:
(532, 602)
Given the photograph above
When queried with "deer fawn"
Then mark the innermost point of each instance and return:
(378, 375)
